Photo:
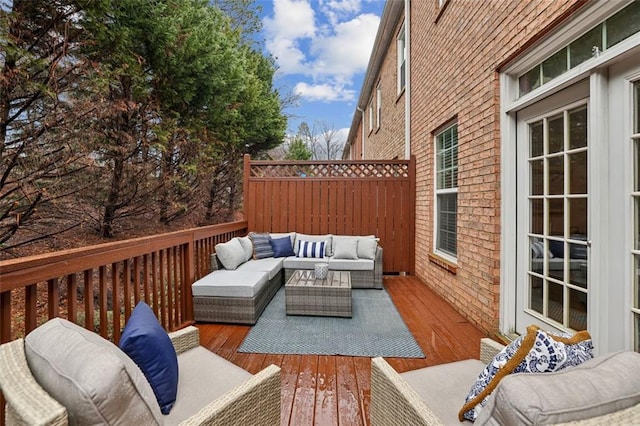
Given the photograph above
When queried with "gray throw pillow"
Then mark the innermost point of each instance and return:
(91, 377)
(367, 247)
(231, 254)
(346, 248)
(247, 245)
(594, 388)
(261, 245)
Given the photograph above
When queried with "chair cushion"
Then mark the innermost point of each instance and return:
(272, 265)
(282, 247)
(90, 376)
(345, 248)
(149, 346)
(231, 254)
(534, 352)
(204, 377)
(225, 283)
(315, 249)
(261, 245)
(294, 262)
(595, 388)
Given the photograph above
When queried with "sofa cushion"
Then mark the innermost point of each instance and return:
(597, 387)
(204, 377)
(452, 385)
(328, 238)
(247, 245)
(224, 283)
(282, 247)
(294, 262)
(345, 248)
(89, 375)
(261, 245)
(231, 254)
(350, 265)
(149, 346)
(315, 249)
(534, 352)
(271, 265)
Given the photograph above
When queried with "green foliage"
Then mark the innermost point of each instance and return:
(298, 150)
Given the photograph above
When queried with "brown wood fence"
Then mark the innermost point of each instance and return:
(336, 197)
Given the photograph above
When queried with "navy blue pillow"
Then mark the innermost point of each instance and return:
(282, 247)
(149, 346)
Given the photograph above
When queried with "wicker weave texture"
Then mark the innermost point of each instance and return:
(489, 348)
(393, 401)
(185, 339)
(27, 402)
(306, 295)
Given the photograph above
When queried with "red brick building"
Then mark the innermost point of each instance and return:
(524, 118)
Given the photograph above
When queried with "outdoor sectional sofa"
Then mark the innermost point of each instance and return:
(245, 277)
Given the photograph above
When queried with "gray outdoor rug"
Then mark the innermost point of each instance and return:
(376, 329)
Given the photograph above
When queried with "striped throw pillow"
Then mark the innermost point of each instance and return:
(261, 245)
(311, 249)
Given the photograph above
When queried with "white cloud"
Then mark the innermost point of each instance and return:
(324, 92)
(342, 134)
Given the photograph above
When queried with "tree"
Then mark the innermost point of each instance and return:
(321, 139)
(298, 150)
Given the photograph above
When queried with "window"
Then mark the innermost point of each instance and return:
(447, 190)
(635, 195)
(608, 33)
(370, 116)
(402, 59)
(378, 105)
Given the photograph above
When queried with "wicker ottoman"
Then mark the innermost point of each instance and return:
(306, 295)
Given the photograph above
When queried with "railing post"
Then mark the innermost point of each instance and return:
(245, 184)
(5, 317)
(188, 259)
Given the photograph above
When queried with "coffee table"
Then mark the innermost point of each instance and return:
(307, 295)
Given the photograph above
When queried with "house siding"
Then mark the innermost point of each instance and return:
(454, 59)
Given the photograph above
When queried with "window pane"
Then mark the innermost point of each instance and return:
(578, 173)
(636, 205)
(554, 66)
(582, 49)
(636, 318)
(578, 216)
(556, 175)
(578, 128)
(556, 134)
(555, 268)
(536, 139)
(556, 301)
(536, 293)
(530, 80)
(636, 281)
(537, 177)
(623, 24)
(537, 216)
(447, 217)
(536, 255)
(636, 121)
(636, 146)
(577, 310)
(556, 217)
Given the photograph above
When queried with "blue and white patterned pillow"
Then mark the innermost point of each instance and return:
(261, 245)
(534, 352)
(311, 249)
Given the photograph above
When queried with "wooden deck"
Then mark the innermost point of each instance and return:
(334, 390)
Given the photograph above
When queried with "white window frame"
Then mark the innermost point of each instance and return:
(402, 59)
(582, 21)
(370, 116)
(444, 191)
(378, 105)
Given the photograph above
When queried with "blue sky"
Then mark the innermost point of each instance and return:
(322, 49)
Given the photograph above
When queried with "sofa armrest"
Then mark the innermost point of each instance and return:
(393, 400)
(185, 339)
(377, 267)
(26, 401)
(255, 402)
(489, 348)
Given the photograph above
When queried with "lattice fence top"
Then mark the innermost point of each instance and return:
(340, 170)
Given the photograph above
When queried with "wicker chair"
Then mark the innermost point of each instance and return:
(254, 402)
(394, 401)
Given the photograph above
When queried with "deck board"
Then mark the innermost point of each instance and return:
(335, 390)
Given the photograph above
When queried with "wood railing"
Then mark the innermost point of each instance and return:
(98, 286)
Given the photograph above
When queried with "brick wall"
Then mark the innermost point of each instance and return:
(387, 140)
(453, 75)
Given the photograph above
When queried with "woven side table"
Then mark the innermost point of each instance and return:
(306, 295)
